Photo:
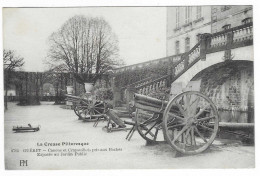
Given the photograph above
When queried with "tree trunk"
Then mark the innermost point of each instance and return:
(6, 108)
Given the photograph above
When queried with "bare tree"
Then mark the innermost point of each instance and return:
(84, 45)
(11, 63)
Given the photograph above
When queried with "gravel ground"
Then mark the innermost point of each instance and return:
(61, 125)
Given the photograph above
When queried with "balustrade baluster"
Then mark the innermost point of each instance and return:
(213, 41)
(164, 83)
(240, 34)
(225, 39)
(251, 32)
(153, 87)
(157, 86)
(248, 33)
(147, 90)
(220, 39)
(235, 36)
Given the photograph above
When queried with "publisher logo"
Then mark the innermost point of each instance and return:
(23, 163)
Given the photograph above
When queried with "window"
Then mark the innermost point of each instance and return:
(227, 26)
(187, 44)
(187, 14)
(177, 17)
(247, 20)
(198, 14)
(177, 47)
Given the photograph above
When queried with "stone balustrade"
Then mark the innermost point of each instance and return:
(219, 40)
(179, 67)
(194, 54)
(243, 34)
(152, 86)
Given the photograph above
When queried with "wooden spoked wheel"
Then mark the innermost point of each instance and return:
(80, 110)
(190, 122)
(149, 125)
(88, 111)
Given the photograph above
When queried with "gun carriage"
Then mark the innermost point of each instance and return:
(92, 110)
(87, 109)
(188, 123)
(28, 128)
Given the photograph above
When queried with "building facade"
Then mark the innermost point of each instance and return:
(186, 24)
(225, 17)
(229, 78)
(184, 27)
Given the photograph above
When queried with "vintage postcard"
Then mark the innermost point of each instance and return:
(97, 88)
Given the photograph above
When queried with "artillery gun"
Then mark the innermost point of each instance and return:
(183, 122)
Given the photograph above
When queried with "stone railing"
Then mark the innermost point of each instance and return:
(153, 86)
(224, 40)
(173, 58)
(219, 40)
(231, 38)
(242, 34)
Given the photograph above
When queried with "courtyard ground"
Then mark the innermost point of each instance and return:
(61, 125)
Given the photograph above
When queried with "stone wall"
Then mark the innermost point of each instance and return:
(230, 85)
(233, 15)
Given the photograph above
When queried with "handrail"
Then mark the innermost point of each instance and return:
(138, 82)
(167, 76)
(156, 80)
(240, 35)
(146, 62)
(232, 29)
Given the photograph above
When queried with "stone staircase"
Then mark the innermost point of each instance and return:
(221, 41)
(239, 36)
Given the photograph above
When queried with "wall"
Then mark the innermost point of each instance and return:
(196, 26)
(230, 85)
(223, 15)
(11, 93)
(243, 53)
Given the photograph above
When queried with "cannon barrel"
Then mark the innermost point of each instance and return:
(73, 98)
(151, 104)
(149, 100)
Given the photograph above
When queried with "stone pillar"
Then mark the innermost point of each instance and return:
(130, 91)
(227, 55)
(116, 96)
(205, 43)
(70, 92)
(116, 92)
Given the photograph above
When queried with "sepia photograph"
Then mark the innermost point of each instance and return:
(128, 87)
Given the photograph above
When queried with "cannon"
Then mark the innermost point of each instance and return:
(87, 109)
(189, 122)
(91, 110)
(28, 128)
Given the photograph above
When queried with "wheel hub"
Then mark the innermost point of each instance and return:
(191, 121)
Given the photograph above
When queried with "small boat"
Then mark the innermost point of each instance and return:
(28, 128)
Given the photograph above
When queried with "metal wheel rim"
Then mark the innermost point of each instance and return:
(173, 142)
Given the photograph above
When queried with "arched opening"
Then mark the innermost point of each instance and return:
(230, 85)
(48, 92)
